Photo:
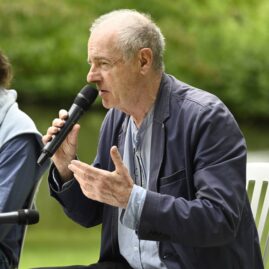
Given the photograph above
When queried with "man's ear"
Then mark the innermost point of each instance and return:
(145, 59)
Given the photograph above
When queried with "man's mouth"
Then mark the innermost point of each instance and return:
(102, 92)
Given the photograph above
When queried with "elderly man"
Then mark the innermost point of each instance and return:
(168, 181)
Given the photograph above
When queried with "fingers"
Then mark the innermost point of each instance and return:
(57, 124)
(73, 135)
(104, 186)
(83, 170)
(63, 114)
(50, 133)
(116, 158)
(85, 176)
(79, 172)
(77, 168)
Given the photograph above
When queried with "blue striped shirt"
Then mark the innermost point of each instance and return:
(140, 254)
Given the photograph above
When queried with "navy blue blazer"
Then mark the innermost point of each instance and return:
(196, 205)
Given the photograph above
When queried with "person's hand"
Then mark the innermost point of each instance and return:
(67, 150)
(113, 188)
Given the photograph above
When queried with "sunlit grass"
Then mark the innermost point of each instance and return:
(60, 247)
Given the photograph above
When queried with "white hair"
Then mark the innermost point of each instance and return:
(135, 31)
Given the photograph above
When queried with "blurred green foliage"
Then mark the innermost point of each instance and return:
(219, 46)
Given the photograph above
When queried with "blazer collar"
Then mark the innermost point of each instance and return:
(161, 112)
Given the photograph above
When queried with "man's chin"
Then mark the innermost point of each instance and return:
(106, 104)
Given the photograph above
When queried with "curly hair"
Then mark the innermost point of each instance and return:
(5, 71)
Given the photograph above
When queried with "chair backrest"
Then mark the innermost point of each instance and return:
(258, 191)
(30, 204)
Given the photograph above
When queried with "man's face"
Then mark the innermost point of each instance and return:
(115, 77)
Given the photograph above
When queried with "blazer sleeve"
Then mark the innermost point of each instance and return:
(76, 205)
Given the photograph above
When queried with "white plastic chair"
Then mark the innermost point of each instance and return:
(258, 191)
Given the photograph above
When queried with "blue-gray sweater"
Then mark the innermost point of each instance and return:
(20, 146)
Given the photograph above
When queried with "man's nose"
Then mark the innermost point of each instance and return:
(93, 75)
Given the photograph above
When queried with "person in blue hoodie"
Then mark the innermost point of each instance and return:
(20, 146)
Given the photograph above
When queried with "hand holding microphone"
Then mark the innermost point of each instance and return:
(61, 137)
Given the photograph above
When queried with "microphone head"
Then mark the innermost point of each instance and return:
(28, 216)
(86, 97)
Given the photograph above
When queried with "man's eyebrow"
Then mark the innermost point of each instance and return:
(98, 58)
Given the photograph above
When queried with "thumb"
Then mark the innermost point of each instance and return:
(73, 135)
(116, 158)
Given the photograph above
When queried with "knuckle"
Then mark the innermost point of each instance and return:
(55, 122)
(45, 139)
(63, 114)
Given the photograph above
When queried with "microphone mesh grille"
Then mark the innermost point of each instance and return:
(86, 97)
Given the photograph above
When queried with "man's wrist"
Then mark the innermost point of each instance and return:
(130, 217)
(57, 183)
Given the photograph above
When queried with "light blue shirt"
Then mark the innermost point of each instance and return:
(140, 254)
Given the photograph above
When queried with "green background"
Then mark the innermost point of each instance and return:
(219, 46)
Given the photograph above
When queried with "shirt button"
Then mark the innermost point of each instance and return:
(135, 248)
(167, 255)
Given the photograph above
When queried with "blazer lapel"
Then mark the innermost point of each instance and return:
(161, 113)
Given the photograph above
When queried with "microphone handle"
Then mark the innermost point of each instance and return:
(9, 217)
(49, 149)
(21, 217)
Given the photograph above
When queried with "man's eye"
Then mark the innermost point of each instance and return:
(104, 63)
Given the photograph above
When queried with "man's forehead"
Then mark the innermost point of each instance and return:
(100, 53)
(105, 32)
(102, 45)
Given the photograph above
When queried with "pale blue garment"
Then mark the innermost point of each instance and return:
(140, 254)
(13, 121)
(20, 145)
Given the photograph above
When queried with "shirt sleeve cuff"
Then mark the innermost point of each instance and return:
(57, 184)
(130, 217)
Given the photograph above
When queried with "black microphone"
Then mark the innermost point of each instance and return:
(22, 216)
(81, 103)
